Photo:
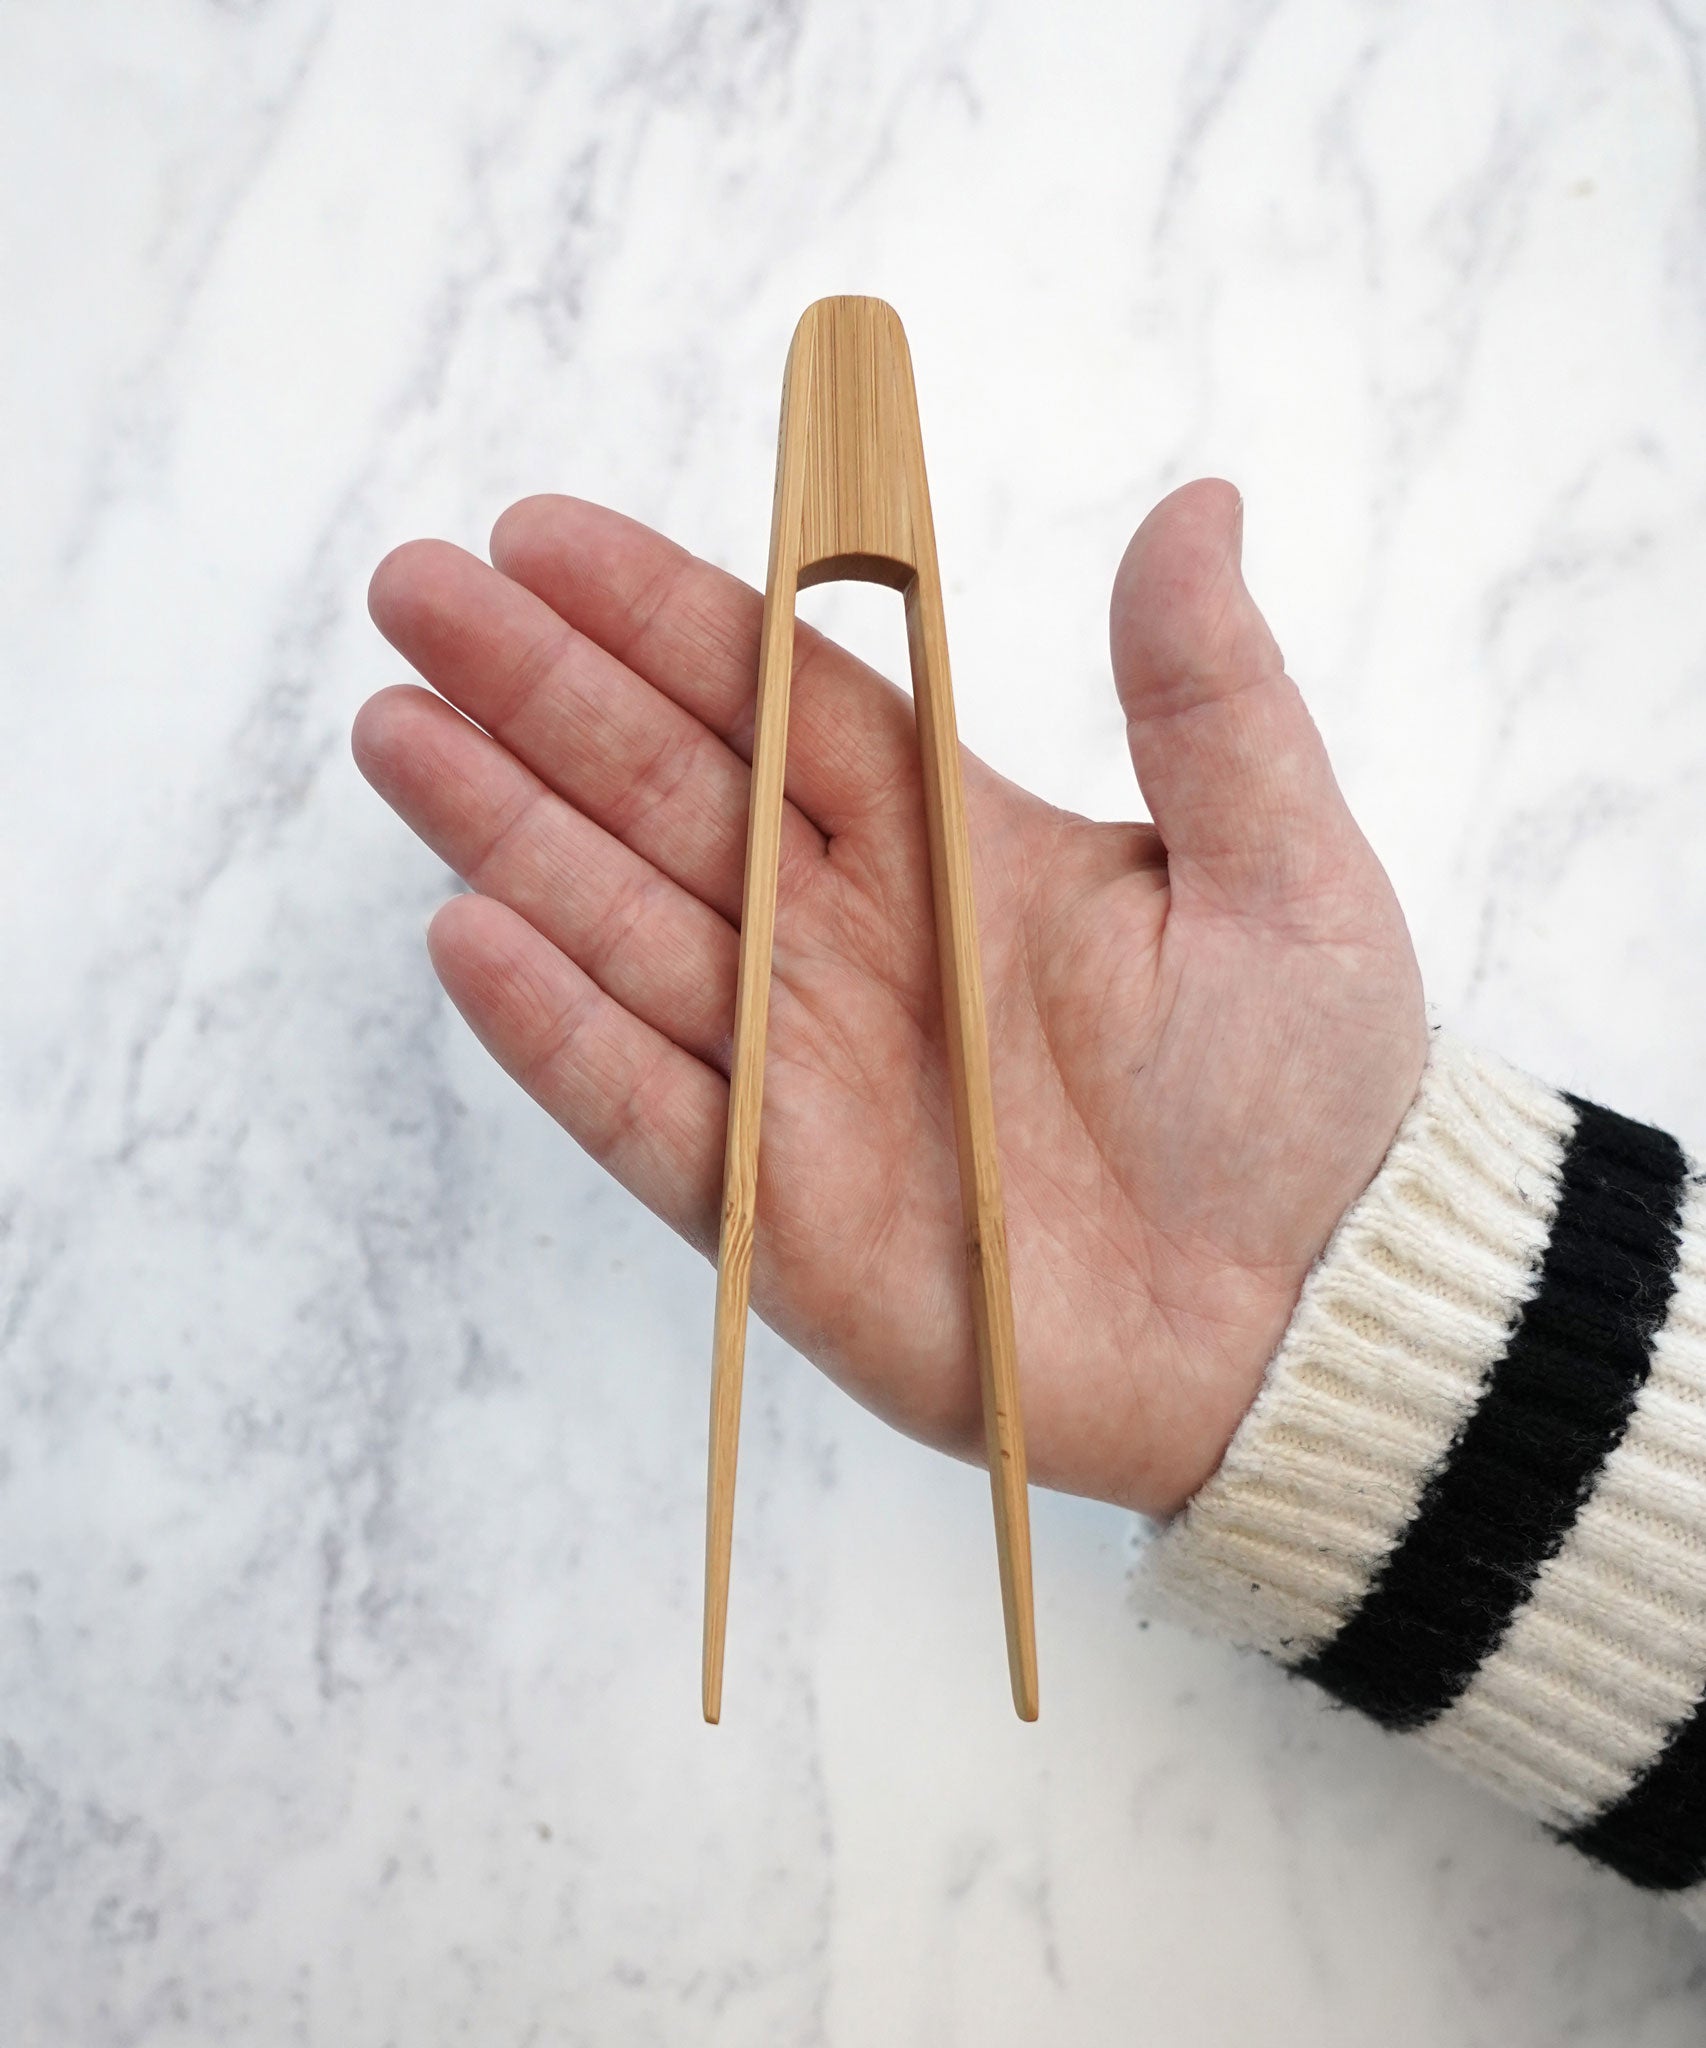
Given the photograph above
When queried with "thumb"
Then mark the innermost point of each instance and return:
(1227, 756)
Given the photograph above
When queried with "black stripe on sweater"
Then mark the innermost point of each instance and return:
(1655, 1835)
(1552, 1410)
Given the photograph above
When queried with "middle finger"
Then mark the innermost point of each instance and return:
(619, 750)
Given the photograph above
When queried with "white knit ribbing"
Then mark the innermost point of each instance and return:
(1608, 1653)
(1395, 1331)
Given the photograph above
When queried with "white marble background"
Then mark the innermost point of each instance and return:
(351, 1427)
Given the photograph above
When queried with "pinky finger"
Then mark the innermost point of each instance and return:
(649, 1113)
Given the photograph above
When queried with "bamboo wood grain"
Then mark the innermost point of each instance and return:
(852, 502)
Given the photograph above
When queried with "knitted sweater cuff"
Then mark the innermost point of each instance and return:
(1470, 1498)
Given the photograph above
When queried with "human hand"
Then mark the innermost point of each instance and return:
(1203, 1032)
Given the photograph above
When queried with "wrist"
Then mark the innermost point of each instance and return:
(1381, 1362)
(1470, 1498)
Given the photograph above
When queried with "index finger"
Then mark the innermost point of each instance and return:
(692, 631)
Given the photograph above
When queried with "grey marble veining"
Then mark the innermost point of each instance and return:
(351, 1426)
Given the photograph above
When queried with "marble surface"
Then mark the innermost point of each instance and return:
(351, 1427)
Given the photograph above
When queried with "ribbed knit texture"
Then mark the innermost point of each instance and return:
(1470, 1498)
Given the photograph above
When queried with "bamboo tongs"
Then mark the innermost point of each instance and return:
(852, 504)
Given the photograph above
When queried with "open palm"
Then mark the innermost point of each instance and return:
(1203, 1031)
